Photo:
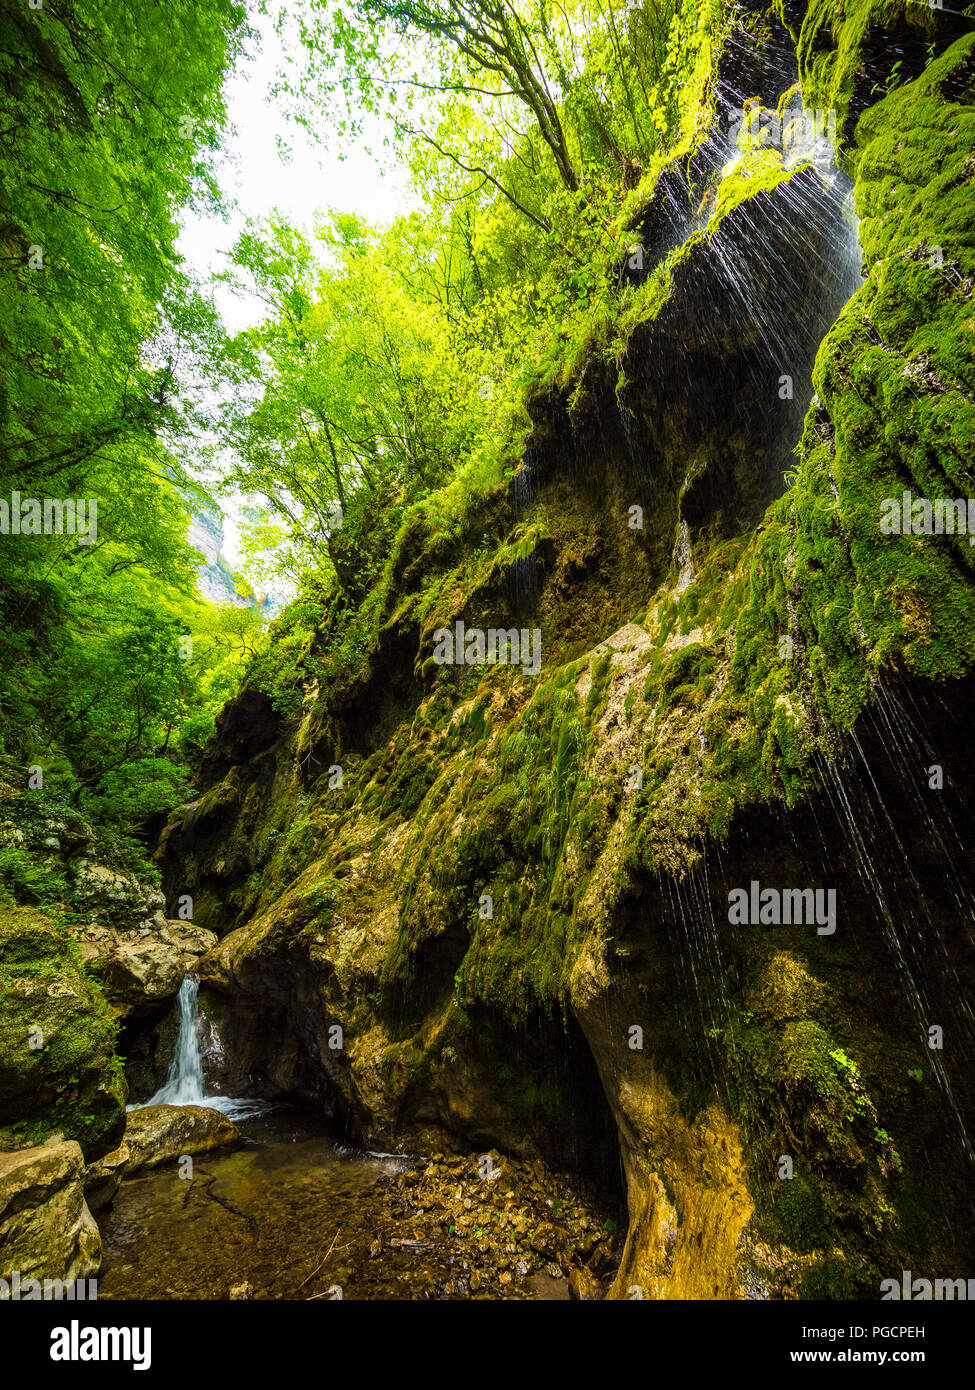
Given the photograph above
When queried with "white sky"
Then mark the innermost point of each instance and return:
(313, 181)
(253, 174)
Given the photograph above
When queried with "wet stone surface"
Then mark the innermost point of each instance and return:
(499, 1228)
(291, 1214)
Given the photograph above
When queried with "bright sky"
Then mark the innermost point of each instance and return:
(309, 180)
(303, 181)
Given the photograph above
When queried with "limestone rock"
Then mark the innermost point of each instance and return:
(46, 1228)
(111, 895)
(142, 967)
(341, 910)
(103, 1177)
(160, 1133)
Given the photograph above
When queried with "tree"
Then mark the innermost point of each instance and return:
(345, 399)
(109, 119)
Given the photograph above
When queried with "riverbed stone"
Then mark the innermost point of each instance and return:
(46, 1228)
(584, 1286)
(161, 1133)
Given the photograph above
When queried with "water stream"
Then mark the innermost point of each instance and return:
(292, 1211)
(184, 1083)
(259, 1216)
(289, 1212)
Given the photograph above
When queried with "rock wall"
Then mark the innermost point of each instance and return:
(454, 940)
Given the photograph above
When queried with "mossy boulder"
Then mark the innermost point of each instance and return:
(58, 1069)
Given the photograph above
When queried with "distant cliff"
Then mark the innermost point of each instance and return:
(214, 577)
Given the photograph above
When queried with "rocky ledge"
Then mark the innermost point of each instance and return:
(161, 1133)
(142, 967)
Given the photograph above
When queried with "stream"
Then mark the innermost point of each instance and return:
(265, 1213)
(292, 1212)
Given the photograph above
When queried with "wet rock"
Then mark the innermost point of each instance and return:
(584, 1286)
(46, 1228)
(545, 1239)
(160, 1133)
(693, 404)
(141, 967)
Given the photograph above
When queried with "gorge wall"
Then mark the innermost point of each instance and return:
(512, 873)
(465, 906)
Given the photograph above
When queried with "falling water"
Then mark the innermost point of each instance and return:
(683, 558)
(911, 929)
(184, 1083)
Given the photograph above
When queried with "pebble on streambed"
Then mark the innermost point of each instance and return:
(508, 1228)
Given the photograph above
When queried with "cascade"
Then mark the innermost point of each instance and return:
(184, 1082)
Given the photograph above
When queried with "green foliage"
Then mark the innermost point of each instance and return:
(111, 118)
(394, 364)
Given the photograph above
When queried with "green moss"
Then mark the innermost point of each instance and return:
(832, 42)
(758, 172)
(58, 1069)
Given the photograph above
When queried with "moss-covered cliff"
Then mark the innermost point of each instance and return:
(489, 879)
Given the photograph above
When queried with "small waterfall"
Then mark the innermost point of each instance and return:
(184, 1084)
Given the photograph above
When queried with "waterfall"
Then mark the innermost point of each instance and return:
(184, 1084)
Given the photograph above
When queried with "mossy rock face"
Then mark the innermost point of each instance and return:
(58, 1069)
(506, 853)
(851, 54)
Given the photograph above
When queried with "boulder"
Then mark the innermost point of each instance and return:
(103, 1177)
(58, 1068)
(142, 967)
(160, 1133)
(46, 1228)
(111, 894)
